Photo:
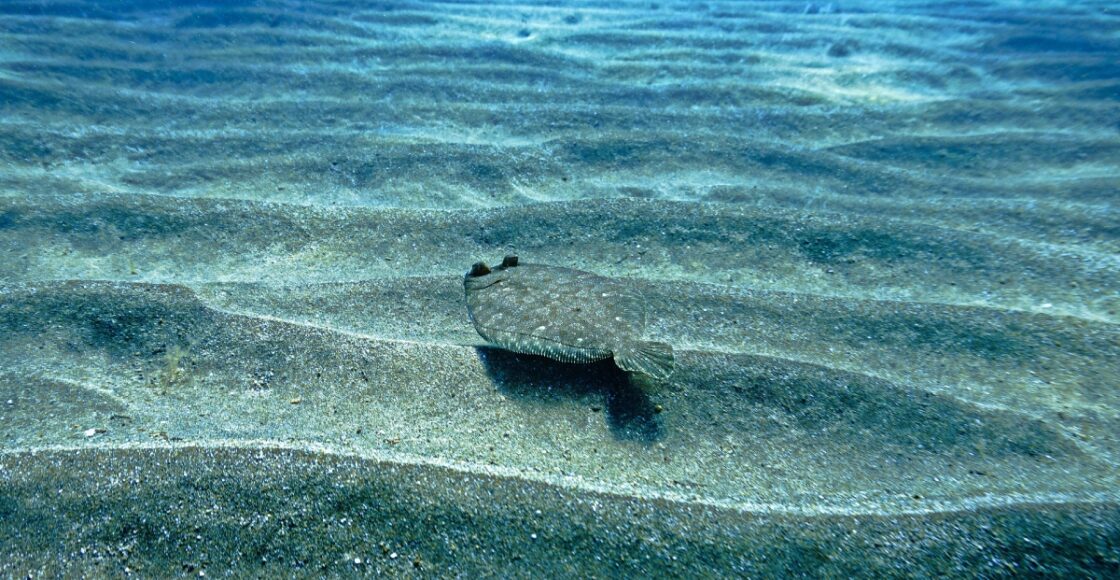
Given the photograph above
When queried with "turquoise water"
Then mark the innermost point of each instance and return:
(881, 238)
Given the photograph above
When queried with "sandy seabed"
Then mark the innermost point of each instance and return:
(881, 236)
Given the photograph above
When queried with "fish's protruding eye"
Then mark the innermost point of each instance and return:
(509, 261)
(479, 269)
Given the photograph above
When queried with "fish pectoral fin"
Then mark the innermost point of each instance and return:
(654, 359)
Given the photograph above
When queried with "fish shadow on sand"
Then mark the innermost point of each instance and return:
(630, 414)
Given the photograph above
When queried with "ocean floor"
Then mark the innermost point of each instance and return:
(882, 237)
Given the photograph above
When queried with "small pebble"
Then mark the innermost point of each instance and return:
(393, 556)
(296, 401)
(658, 408)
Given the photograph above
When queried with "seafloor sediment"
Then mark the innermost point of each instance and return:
(881, 237)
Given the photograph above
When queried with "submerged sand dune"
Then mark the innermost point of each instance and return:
(880, 237)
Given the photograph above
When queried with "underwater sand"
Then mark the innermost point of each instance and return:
(881, 236)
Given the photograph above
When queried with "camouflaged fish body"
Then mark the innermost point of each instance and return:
(564, 314)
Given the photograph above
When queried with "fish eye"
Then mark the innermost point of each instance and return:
(509, 261)
(479, 269)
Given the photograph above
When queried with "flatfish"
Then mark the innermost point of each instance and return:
(564, 314)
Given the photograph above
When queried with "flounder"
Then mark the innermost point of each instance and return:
(564, 314)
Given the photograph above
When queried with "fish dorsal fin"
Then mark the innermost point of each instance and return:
(633, 307)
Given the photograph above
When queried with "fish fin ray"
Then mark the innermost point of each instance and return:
(654, 359)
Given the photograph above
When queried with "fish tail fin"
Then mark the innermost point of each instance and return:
(654, 359)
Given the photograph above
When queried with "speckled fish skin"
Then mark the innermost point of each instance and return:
(562, 313)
